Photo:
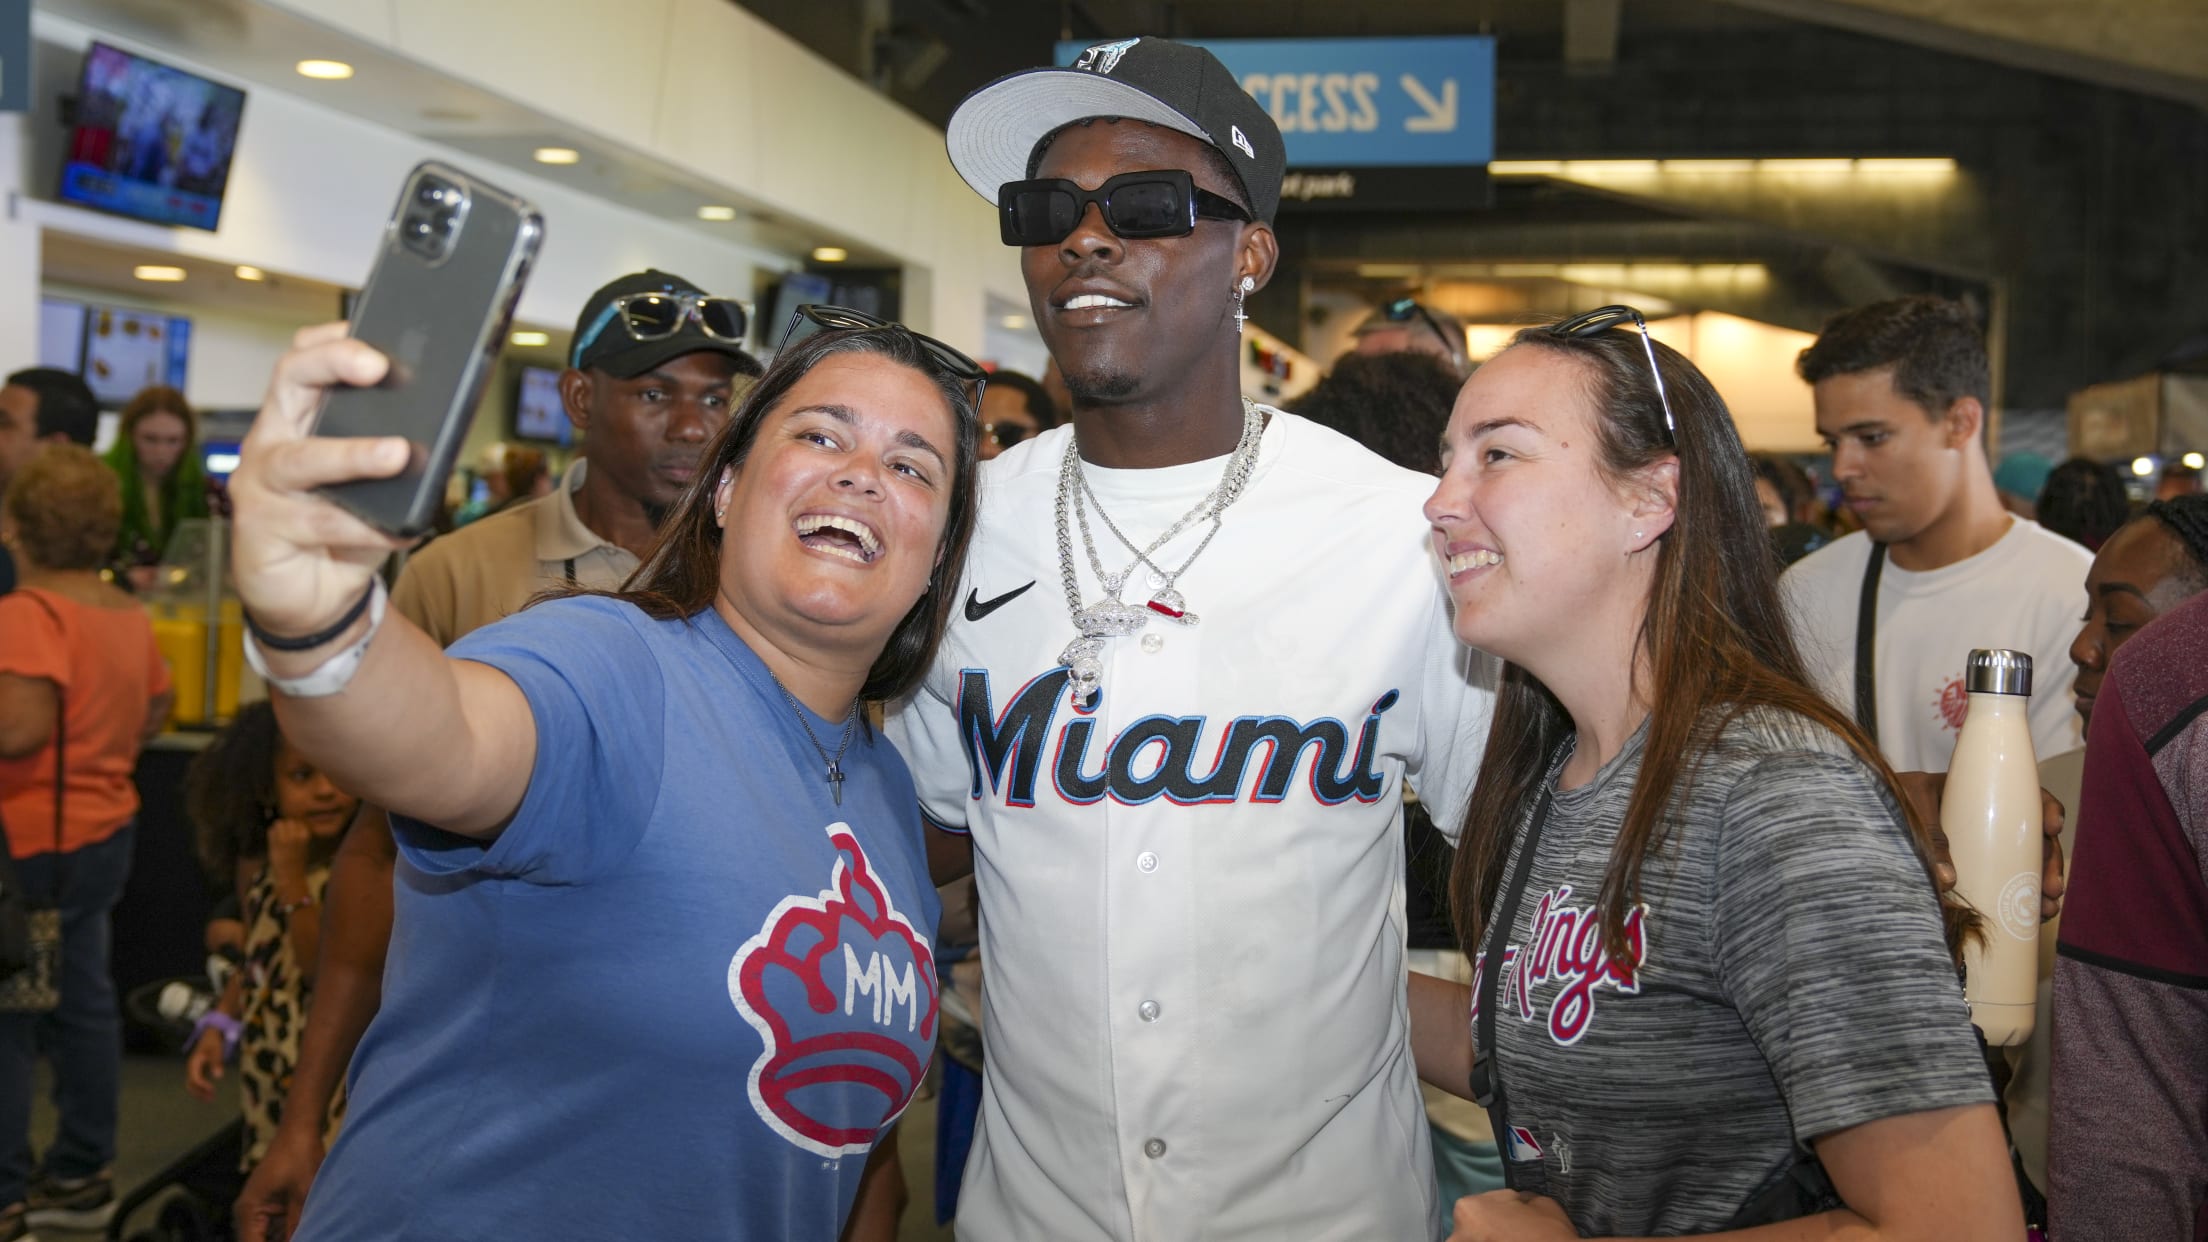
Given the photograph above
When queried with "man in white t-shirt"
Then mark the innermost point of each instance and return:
(1901, 389)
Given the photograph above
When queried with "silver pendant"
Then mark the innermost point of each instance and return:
(1083, 657)
(1169, 604)
(1109, 618)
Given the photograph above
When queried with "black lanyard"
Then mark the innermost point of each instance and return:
(1866, 632)
(1487, 1085)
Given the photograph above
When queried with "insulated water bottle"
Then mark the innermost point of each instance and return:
(1991, 815)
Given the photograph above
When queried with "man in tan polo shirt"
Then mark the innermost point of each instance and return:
(655, 368)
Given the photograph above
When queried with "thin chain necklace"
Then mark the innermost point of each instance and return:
(1110, 617)
(834, 762)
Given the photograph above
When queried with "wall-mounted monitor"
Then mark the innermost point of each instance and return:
(150, 141)
(538, 414)
(118, 350)
(794, 290)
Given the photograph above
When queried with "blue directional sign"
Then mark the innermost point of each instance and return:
(1367, 103)
(15, 55)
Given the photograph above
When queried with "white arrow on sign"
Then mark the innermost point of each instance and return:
(1441, 114)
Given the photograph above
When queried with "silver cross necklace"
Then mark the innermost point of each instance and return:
(834, 762)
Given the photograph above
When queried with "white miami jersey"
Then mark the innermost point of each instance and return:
(1192, 886)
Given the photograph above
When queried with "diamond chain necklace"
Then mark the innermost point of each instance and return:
(1110, 617)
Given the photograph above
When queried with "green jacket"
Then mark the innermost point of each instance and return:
(183, 495)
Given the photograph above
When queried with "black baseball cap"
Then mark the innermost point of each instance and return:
(1176, 85)
(604, 345)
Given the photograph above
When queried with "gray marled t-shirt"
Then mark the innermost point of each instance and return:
(1792, 982)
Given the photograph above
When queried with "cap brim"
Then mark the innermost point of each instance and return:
(645, 355)
(994, 131)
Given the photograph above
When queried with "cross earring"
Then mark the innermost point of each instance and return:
(1241, 293)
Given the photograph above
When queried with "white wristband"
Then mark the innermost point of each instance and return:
(333, 674)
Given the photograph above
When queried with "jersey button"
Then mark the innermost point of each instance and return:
(1153, 643)
(1149, 1011)
(1154, 1149)
(1146, 862)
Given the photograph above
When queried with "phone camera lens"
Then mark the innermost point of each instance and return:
(431, 193)
(418, 227)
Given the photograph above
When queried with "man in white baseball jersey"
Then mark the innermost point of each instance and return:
(1202, 647)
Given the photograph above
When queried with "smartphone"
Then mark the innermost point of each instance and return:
(437, 303)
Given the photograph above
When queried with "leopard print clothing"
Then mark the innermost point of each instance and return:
(276, 995)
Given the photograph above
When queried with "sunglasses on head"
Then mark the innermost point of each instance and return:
(1604, 318)
(813, 319)
(1164, 203)
(657, 316)
(1409, 310)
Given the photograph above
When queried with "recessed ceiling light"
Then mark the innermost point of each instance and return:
(158, 272)
(246, 271)
(2142, 466)
(324, 70)
(830, 254)
(716, 211)
(1013, 323)
(2194, 461)
(557, 155)
(531, 340)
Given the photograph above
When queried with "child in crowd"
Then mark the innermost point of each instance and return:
(269, 823)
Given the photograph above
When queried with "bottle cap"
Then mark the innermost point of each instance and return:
(1996, 671)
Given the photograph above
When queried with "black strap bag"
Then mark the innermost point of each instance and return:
(30, 927)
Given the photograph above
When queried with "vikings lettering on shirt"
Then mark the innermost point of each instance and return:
(1007, 750)
(841, 988)
(1568, 947)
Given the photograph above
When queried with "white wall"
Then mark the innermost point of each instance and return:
(730, 99)
(18, 258)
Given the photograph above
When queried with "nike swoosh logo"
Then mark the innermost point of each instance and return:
(977, 608)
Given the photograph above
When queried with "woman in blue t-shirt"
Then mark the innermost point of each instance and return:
(1720, 985)
(661, 963)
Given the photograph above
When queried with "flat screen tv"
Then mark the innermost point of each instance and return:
(117, 349)
(538, 414)
(150, 141)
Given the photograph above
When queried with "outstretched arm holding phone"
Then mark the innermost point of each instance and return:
(446, 741)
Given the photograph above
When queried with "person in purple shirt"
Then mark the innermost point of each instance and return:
(2127, 1125)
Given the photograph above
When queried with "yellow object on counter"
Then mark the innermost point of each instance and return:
(180, 631)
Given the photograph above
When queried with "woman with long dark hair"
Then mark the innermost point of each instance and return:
(662, 967)
(1717, 986)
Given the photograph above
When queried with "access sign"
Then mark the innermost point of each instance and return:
(1367, 103)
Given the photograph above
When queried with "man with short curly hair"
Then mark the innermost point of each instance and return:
(42, 405)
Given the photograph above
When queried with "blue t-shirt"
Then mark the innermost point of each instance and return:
(678, 997)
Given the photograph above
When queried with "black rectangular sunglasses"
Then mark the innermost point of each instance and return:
(814, 318)
(1166, 202)
(1603, 319)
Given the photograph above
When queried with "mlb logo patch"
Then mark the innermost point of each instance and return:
(1104, 57)
(1522, 1148)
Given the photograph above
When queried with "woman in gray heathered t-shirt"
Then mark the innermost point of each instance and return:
(1726, 951)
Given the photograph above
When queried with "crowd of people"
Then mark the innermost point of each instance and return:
(589, 878)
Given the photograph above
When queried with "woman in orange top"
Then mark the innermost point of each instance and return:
(76, 655)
